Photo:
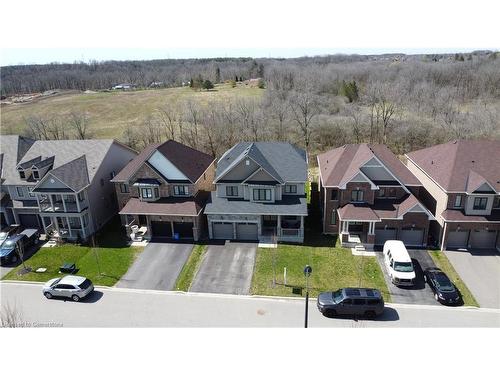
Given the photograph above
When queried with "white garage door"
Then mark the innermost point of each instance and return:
(382, 235)
(246, 231)
(483, 239)
(457, 239)
(412, 237)
(222, 231)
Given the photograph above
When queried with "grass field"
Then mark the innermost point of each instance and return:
(189, 270)
(333, 268)
(111, 112)
(104, 266)
(442, 262)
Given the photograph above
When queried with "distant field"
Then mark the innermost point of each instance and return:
(112, 112)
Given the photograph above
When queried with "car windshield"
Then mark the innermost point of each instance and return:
(3, 235)
(443, 283)
(55, 282)
(337, 295)
(9, 245)
(85, 284)
(403, 266)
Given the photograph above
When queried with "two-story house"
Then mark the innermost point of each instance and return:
(367, 197)
(64, 187)
(164, 190)
(260, 193)
(12, 149)
(462, 187)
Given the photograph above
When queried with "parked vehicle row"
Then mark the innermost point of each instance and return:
(15, 244)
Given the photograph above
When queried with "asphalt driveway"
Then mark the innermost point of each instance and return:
(480, 271)
(420, 293)
(226, 269)
(157, 267)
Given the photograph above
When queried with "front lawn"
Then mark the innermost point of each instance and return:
(190, 268)
(442, 262)
(333, 268)
(104, 265)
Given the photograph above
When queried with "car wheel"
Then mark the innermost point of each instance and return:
(436, 297)
(36, 241)
(330, 313)
(75, 298)
(370, 314)
(14, 259)
(425, 279)
(47, 295)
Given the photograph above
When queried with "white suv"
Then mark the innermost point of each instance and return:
(74, 287)
(398, 263)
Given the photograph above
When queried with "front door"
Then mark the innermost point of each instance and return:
(143, 220)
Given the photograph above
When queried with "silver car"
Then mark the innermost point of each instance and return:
(74, 287)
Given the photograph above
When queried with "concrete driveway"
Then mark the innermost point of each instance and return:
(420, 293)
(480, 271)
(226, 269)
(157, 267)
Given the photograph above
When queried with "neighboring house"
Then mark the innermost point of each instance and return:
(64, 186)
(12, 149)
(123, 86)
(260, 193)
(462, 189)
(367, 197)
(164, 189)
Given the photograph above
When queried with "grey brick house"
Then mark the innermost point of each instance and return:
(260, 193)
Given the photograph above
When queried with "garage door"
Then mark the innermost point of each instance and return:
(246, 231)
(483, 239)
(382, 235)
(412, 237)
(457, 239)
(29, 220)
(222, 231)
(161, 228)
(185, 230)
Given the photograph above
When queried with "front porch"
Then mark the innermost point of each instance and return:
(355, 233)
(283, 228)
(72, 228)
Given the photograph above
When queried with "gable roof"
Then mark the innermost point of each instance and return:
(338, 166)
(191, 162)
(282, 161)
(66, 151)
(12, 149)
(74, 173)
(450, 164)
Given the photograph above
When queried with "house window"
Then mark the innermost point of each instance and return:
(496, 202)
(22, 175)
(146, 193)
(458, 201)
(357, 196)
(80, 196)
(333, 219)
(112, 175)
(157, 193)
(30, 192)
(261, 194)
(180, 190)
(36, 175)
(290, 189)
(232, 191)
(335, 195)
(124, 188)
(20, 192)
(381, 193)
(480, 203)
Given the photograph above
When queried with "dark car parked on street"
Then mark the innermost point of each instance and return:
(444, 290)
(351, 301)
(9, 249)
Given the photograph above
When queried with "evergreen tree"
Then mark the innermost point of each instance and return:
(208, 85)
(217, 74)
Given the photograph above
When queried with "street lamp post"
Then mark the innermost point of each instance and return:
(307, 272)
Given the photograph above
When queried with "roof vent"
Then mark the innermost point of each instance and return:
(472, 161)
(432, 161)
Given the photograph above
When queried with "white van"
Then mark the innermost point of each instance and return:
(398, 263)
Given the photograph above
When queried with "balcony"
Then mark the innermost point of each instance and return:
(62, 203)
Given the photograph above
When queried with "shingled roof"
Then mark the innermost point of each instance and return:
(74, 173)
(12, 149)
(339, 165)
(462, 165)
(191, 162)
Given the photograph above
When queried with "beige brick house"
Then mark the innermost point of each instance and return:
(164, 190)
(367, 196)
(461, 181)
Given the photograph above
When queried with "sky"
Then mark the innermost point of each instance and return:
(20, 56)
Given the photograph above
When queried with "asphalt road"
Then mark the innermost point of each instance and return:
(480, 271)
(114, 307)
(420, 293)
(226, 269)
(157, 267)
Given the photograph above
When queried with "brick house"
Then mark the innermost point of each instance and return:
(461, 186)
(164, 190)
(367, 196)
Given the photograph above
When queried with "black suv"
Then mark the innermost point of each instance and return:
(8, 250)
(351, 301)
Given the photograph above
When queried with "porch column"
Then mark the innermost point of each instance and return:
(64, 202)
(84, 232)
(77, 203)
(67, 224)
(302, 225)
(278, 229)
(51, 203)
(39, 208)
(172, 226)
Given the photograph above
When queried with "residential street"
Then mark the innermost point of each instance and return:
(157, 267)
(114, 307)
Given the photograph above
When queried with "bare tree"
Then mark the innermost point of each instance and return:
(304, 105)
(79, 122)
(192, 114)
(10, 316)
(169, 117)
